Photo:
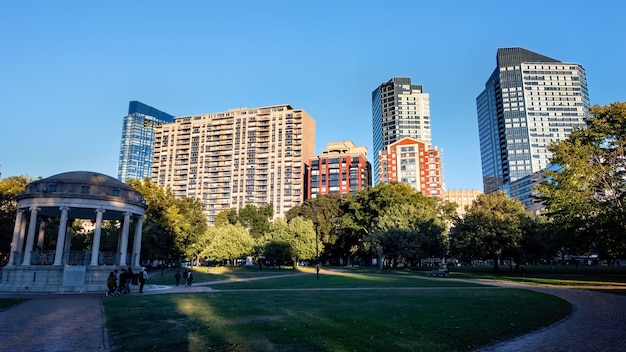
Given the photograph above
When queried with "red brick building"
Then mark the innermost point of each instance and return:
(412, 162)
(341, 169)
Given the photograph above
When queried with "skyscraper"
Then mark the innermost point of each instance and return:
(399, 109)
(237, 157)
(341, 169)
(529, 101)
(137, 144)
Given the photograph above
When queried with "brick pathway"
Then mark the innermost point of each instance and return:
(597, 324)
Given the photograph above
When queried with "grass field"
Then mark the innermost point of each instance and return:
(357, 310)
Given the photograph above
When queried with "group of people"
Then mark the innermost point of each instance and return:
(187, 277)
(119, 283)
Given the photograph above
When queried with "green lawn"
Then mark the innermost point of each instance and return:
(352, 311)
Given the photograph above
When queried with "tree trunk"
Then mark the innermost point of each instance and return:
(496, 264)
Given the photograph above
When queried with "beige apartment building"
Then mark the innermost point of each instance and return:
(462, 197)
(237, 157)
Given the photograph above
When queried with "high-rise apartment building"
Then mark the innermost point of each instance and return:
(529, 101)
(341, 169)
(135, 161)
(399, 109)
(237, 157)
(464, 198)
(412, 162)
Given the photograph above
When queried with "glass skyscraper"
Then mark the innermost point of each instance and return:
(137, 144)
(399, 109)
(530, 100)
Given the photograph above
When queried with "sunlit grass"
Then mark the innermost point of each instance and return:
(351, 311)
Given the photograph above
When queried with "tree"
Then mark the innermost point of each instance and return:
(407, 232)
(10, 187)
(255, 219)
(171, 225)
(298, 234)
(585, 194)
(491, 226)
(228, 242)
(362, 212)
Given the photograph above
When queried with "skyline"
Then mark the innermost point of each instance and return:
(69, 73)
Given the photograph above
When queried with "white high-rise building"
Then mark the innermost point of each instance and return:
(237, 157)
(399, 109)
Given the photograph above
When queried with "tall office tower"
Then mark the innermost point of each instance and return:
(412, 162)
(529, 101)
(341, 169)
(399, 109)
(237, 157)
(137, 145)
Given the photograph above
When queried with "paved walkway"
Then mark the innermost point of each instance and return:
(75, 322)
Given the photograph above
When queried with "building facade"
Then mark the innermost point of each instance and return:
(412, 162)
(462, 197)
(399, 109)
(137, 146)
(237, 157)
(342, 168)
(529, 101)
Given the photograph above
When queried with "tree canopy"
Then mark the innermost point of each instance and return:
(585, 190)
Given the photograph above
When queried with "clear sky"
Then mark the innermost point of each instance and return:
(69, 68)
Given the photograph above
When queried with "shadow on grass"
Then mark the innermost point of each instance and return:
(395, 313)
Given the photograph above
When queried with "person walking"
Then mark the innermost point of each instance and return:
(129, 279)
(177, 277)
(185, 275)
(122, 282)
(143, 277)
(189, 278)
(111, 284)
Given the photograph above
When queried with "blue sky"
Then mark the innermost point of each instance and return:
(69, 68)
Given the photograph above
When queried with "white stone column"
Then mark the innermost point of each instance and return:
(137, 241)
(22, 237)
(95, 249)
(30, 239)
(16, 235)
(58, 255)
(124, 244)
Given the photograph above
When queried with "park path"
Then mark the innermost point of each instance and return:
(75, 322)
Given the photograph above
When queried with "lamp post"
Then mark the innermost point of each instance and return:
(317, 256)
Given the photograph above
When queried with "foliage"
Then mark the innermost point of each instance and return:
(171, 225)
(326, 212)
(295, 238)
(492, 226)
(227, 242)
(10, 187)
(254, 219)
(586, 194)
(376, 213)
(407, 232)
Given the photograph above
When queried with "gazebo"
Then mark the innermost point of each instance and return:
(42, 259)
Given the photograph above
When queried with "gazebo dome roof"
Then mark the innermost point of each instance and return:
(82, 184)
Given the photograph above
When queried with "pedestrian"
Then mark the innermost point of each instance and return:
(189, 278)
(177, 277)
(111, 284)
(185, 275)
(129, 279)
(122, 282)
(143, 277)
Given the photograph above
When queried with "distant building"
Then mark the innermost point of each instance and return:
(530, 100)
(135, 161)
(524, 190)
(399, 109)
(412, 162)
(237, 157)
(341, 169)
(462, 197)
